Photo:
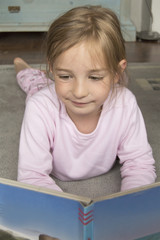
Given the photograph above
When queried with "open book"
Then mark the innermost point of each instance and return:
(34, 213)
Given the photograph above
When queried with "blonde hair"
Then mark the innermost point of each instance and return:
(97, 26)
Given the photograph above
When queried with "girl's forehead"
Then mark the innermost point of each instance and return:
(83, 52)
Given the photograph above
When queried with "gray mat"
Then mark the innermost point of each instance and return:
(144, 82)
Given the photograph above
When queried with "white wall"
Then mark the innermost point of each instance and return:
(156, 15)
(136, 14)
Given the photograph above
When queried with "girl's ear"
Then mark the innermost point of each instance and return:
(122, 64)
(50, 67)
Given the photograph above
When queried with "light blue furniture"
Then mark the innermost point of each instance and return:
(36, 15)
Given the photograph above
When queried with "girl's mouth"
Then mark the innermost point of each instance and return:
(79, 103)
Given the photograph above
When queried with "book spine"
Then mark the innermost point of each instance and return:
(86, 218)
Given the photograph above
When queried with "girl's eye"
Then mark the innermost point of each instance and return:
(96, 78)
(64, 77)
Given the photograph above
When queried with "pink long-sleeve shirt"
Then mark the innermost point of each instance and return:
(50, 143)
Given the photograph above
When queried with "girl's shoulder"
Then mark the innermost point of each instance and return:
(125, 98)
(46, 98)
(120, 98)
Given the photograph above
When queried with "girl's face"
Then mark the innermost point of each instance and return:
(82, 83)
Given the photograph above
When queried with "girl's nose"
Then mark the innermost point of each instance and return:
(80, 88)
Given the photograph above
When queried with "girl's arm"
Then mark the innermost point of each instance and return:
(135, 152)
(36, 146)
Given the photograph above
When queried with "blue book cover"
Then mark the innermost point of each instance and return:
(35, 213)
(133, 215)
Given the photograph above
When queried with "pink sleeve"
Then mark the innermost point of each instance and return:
(35, 158)
(135, 152)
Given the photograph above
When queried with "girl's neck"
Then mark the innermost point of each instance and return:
(86, 124)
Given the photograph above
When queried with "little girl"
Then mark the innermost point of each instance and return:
(76, 126)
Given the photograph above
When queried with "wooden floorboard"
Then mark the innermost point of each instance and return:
(31, 47)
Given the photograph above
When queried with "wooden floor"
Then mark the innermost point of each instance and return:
(31, 47)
